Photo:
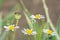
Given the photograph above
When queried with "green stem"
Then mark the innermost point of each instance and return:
(7, 35)
(29, 21)
(17, 22)
(57, 25)
(28, 37)
(13, 36)
(48, 18)
(26, 13)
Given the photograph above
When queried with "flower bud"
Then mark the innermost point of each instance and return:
(17, 15)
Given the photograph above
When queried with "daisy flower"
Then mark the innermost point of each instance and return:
(49, 32)
(37, 16)
(29, 32)
(11, 27)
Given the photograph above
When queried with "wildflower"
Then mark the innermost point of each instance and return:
(49, 32)
(37, 16)
(11, 27)
(29, 32)
(17, 15)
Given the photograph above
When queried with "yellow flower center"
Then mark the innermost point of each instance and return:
(11, 27)
(29, 32)
(49, 32)
(37, 16)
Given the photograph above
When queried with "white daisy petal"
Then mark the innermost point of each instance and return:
(34, 33)
(54, 33)
(42, 16)
(25, 29)
(17, 27)
(5, 27)
(32, 16)
(45, 30)
(24, 32)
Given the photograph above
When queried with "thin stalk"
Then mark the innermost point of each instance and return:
(15, 30)
(57, 25)
(17, 22)
(29, 21)
(29, 37)
(13, 36)
(7, 35)
(26, 13)
(48, 18)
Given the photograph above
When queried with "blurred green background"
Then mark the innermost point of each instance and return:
(34, 6)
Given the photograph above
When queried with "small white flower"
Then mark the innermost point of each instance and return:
(29, 32)
(11, 27)
(37, 16)
(49, 32)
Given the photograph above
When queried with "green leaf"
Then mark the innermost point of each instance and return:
(54, 38)
(58, 25)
